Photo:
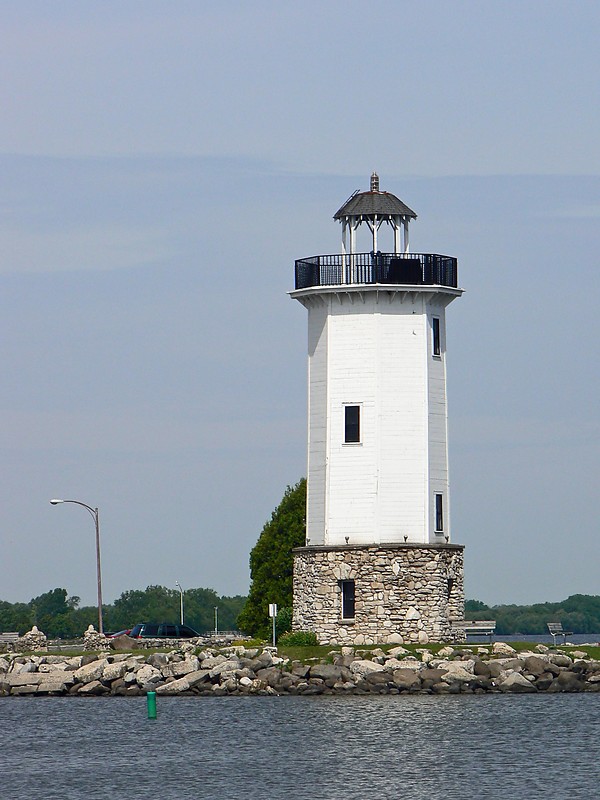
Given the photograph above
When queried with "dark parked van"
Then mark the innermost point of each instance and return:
(162, 630)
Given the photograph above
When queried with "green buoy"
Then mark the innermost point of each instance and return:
(151, 703)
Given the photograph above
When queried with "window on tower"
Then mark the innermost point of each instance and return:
(351, 424)
(439, 513)
(348, 597)
(436, 343)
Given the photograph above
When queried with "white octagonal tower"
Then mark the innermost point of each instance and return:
(378, 563)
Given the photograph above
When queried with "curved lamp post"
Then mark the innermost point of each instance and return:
(180, 598)
(94, 513)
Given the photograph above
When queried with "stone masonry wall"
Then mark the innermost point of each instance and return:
(404, 592)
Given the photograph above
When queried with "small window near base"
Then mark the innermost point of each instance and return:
(348, 598)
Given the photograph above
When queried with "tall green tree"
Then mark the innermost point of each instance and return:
(271, 562)
(53, 611)
(152, 604)
(15, 616)
(160, 604)
(60, 616)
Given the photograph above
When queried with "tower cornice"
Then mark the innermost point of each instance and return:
(342, 548)
(358, 292)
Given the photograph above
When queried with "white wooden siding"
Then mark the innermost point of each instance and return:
(374, 349)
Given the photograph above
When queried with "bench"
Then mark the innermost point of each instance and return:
(9, 638)
(477, 627)
(556, 629)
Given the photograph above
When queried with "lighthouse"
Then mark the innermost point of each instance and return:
(379, 564)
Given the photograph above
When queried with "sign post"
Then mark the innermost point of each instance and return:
(273, 615)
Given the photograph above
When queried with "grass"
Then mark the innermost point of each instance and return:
(327, 652)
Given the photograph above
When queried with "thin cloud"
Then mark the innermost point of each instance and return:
(101, 247)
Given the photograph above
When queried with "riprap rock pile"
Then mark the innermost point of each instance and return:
(241, 671)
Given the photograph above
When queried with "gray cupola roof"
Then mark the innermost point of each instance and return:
(374, 202)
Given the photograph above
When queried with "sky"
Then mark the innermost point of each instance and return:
(163, 165)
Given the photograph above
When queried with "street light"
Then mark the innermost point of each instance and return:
(94, 513)
(216, 620)
(180, 598)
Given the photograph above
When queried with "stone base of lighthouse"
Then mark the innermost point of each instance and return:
(398, 593)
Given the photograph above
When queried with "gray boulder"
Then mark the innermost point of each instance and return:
(22, 665)
(92, 671)
(113, 671)
(301, 670)
(458, 671)
(270, 676)
(53, 687)
(560, 659)
(92, 687)
(514, 664)
(25, 678)
(288, 681)
(567, 681)
(364, 667)
(181, 667)
(343, 660)
(433, 675)
(265, 658)
(212, 661)
(225, 667)
(535, 666)
(157, 660)
(502, 649)
(516, 683)
(199, 677)
(544, 681)
(174, 687)
(29, 689)
(481, 669)
(326, 672)
(148, 675)
(124, 642)
(408, 678)
(496, 668)
(379, 678)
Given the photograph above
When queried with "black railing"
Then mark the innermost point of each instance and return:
(404, 269)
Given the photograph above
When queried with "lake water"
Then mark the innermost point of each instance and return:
(419, 746)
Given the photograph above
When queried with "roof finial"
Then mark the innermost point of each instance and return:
(374, 182)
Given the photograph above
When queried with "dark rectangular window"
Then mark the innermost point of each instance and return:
(352, 424)
(436, 343)
(439, 513)
(348, 595)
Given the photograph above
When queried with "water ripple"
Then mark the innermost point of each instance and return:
(298, 748)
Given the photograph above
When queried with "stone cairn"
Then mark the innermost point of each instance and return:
(33, 641)
(92, 640)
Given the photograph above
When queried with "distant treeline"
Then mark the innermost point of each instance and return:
(59, 616)
(579, 613)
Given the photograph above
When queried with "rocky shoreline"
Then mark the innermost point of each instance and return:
(237, 670)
